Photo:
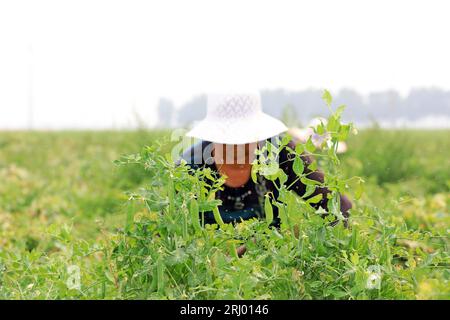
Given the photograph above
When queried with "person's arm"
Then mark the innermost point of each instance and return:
(300, 188)
(316, 175)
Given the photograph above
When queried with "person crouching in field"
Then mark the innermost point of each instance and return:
(231, 131)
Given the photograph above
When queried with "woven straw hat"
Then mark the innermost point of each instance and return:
(236, 119)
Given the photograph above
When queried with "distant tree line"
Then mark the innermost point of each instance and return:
(298, 107)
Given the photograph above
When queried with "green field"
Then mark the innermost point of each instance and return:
(63, 207)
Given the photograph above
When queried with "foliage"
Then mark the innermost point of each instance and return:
(67, 230)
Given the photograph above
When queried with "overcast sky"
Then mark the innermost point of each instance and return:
(90, 63)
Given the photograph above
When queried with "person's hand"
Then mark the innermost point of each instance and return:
(241, 250)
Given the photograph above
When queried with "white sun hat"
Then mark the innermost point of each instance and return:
(236, 119)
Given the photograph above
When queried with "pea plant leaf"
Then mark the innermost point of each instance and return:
(326, 96)
(316, 199)
(298, 166)
(310, 147)
(268, 210)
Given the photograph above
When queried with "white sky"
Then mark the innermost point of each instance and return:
(94, 61)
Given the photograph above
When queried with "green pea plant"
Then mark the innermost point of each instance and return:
(324, 154)
(165, 250)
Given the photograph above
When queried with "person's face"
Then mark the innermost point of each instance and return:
(234, 153)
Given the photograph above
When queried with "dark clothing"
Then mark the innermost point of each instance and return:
(247, 202)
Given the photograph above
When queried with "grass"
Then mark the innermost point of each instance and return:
(64, 209)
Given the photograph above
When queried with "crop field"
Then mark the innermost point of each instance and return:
(75, 223)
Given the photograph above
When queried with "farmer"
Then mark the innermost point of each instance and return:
(232, 130)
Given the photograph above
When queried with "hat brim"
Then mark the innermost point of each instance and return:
(240, 131)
